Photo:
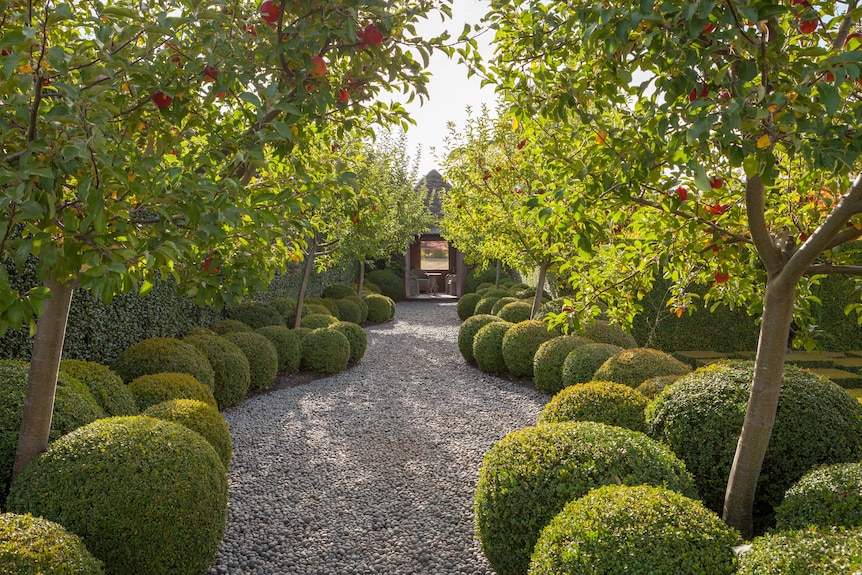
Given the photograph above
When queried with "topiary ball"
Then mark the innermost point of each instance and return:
(288, 346)
(498, 305)
(163, 354)
(302, 332)
(516, 311)
(348, 310)
(602, 401)
(486, 304)
(549, 359)
(35, 546)
(199, 417)
(653, 386)
(338, 291)
(583, 361)
(825, 496)
(226, 326)
(521, 343)
(379, 308)
(261, 355)
(256, 314)
(325, 351)
(529, 476)
(230, 368)
(634, 366)
(356, 336)
(700, 417)
(363, 307)
(316, 308)
(812, 551)
(285, 306)
(369, 287)
(604, 332)
(488, 347)
(328, 303)
(318, 320)
(390, 283)
(105, 386)
(147, 496)
(467, 333)
(637, 530)
(467, 305)
(158, 387)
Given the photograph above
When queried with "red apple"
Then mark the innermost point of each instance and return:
(803, 3)
(683, 193)
(5, 52)
(374, 207)
(808, 26)
(371, 35)
(162, 100)
(210, 74)
(716, 183)
(318, 67)
(355, 219)
(269, 11)
(486, 176)
(721, 277)
(343, 95)
(521, 144)
(211, 267)
(853, 41)
(708, 28)
(694, 94)
(251, 30)
(718, 209)
(221, 94)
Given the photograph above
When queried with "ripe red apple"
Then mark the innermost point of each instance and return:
(318, 67)
(708, 28)
(716, 183)
(162, 100)
(808, 26)
(721, 277)
(269, 11)
(5, 52)
(718, 209)
(371, 35)
(373, 207)
(343, 95)
(683, 193)
(521, 144)
(486, 176)
(853, 41)
(694, 94)
(211, 267)
(210, 74)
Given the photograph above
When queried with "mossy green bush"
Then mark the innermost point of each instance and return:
(477, 276)
(467, 305)
(325, 351)
(498, 305)
(105, 386)
(338, 291)
(262, 358)
(521, 343)
(484, 286)
(356, 336)
(349, 310)
(604, 332)
(226, 326)
(363, 307)
(529, 476)
(302, 332)
(316, 320)
(602, 401)
(830, 495)
(256, 314)
(549, 359)
(486, 304)
(467, 333)
(158, 387)
(316, 308)
(380, 307)
(700, 417)
(163, 354)
(634, 366)
(516, 311)
(653, 386)
(288, 346)
(637, 530)
(390, 283)
(231, 373)
(369, 287)
(811, 551)
(328, 303)
(488, 347)
(290, 319)
(35, 546)
(199, 417)
(157, 505)
(285, 306)
(583, 361)
(199, 331)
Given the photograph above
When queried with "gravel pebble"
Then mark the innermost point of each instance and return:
(371, 470)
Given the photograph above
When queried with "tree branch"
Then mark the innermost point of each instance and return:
(689, 216)
(755, 205)
(833, 270)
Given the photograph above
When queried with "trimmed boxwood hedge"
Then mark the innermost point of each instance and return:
(521, 343)
(288, 346)
(380, 308)
(256, 314)
(158, 387)
(811, 551)
(338, 291)
(390, 283)
(163, 354)
(199, 417)
(637, 530)
(498, 305)
(261, 355)
(349, 310)
(603, 332)
(105, 386)
(230, 368)
(653, 386)
(583, 361)
(326, 351)
(528, 477)
(356, 336)
(467, 333)
(35, 546)
(488, 347)
(158, 503)
(602, 401)
(467, 305)
(828, 495)
(634, 366)
(549, 359)
(230, 326)
(516, 311)
(363, 307)
(486, 304)
(317, 320)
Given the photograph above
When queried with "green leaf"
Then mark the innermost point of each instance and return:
(829, 97)
(750, 166)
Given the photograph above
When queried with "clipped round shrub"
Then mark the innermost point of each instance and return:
(200, 331)
(812, 551)
(467, 305)
(157, 505)
(369, 287)
(602, 401)
(700, 417)
(158, 387)
(290, 318)
(467, 333)
(199, 417)
(826, 496)
(498, 305)
(163, 354)
(653, 386)
(261, 355)
(285, 306)
(325, 351)
(488, 347)
(230, 368)
(338, 291)
(256, 314)
(35, 546)
(390, 283)
(634, 366)
(521, 343)
(363, 307)
(549, 359)
(356, 336)
(484, 286)
(583, 361)
(315, 308)
(328, 303)
(477, 277)
(529, 476)
(316, 320)
(604, 332)
(288, 346)
(302, 332)
(229, 326)
(105, 386)
(349, 310)
(516, 311)
(379, 307)
(637, 530)
(486, 304)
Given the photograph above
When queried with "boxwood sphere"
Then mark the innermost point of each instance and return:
(379, 307)
(488, 347)
(35, 546)
(106, 387)
(467, 333)
(288, 346)
(390, 283)
(811, 551)
(467, 305)
(229, 326)
(158, 387)
(653, 386)
(521, 343)
(261, 355)
(256, 314)
(356, 336)
(363, 307)
(634, 366)
(156, 505)
(602, 401)
(700, 417)
(549, 359)
(325, 351)
(603, 332)
(637, 530)
(516, 311)
(348, 310)
(498, 305)
(529, 476)
(828, 495)
(316, 320)
(338, 291)
(160, 354)
(199, 417)
(486, 304)
(230, 368)
(583, 361)
(286, 307)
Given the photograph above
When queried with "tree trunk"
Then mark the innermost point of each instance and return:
(762, 404)
(540, 287)
(361, 277)
(306, 274)
(42, 378)
(499, 269)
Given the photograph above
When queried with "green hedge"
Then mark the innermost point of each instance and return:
(811, 551)
(602, 401)
(106, 387)
(827, 496)
(158, 387)
(390, 283)
(35, 546)
(467, 305)
(488, 347)
(549, 359)
(634, 366)
(356, 336)
(261, 355)
(231, 374)
(326, 351)
(199, 417)
(467, 333)
(163, 354)
(288, 346)
(521, 343)
(256, 314)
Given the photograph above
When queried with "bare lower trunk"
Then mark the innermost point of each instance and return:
(762, 406)
(361, 277)
(499, 270)
(540, 288)
(42, 378)
(306, 274)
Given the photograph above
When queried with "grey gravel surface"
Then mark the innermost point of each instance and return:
(372, 470)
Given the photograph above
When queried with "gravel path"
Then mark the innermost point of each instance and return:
(371, 470)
